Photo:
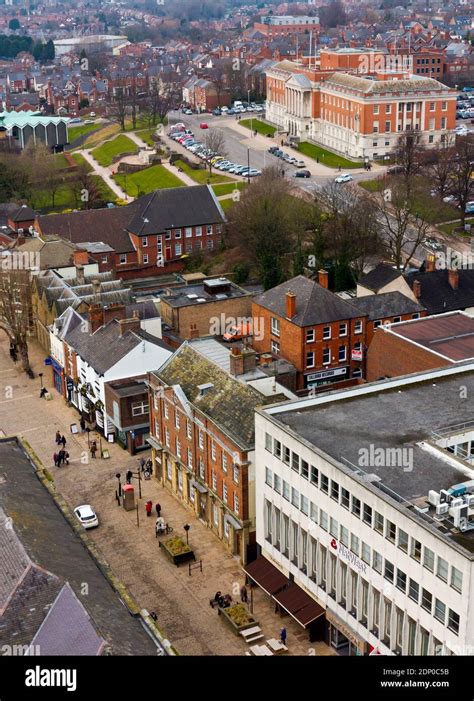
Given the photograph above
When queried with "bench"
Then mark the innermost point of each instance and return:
(277, 645)
(261, 651)
(248, 632)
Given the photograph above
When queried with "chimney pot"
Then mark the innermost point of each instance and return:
(80, 277)
(417, 289)
(323, 278)
(290, 304)
(453, 278)
(430, 263)
(128, 325)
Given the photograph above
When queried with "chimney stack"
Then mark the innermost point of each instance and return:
(430, 263)
(96, 317)
(323, 278)
(193, 331)
(236, 362)
(96, 290)
(80, 277)
(128, 325)
(290, 304)
(453, 278)
(417, 289)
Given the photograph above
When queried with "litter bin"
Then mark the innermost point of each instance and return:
(128, 497)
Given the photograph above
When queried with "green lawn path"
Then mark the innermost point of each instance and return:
(145, 181)
(105, 154)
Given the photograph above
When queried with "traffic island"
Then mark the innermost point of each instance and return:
(177, 550)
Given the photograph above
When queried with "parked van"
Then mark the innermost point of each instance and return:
(237, 332)
(237, 103)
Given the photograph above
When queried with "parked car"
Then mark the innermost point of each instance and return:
(273, 149)
(344, 178)
(204, 125)
(86, 516)
(89, 121)
(302, 174)
(432, 243)
(187, 111)
(216, 112)
(395, 170)
(224, 109)
(469, 208)
(300, 164)
(231, 111)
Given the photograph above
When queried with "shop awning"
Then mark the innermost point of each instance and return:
(266, 575)
(200, 487)
(232, 522)
(299, 605)
(154, 443)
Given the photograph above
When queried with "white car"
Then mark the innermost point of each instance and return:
(86, 516)
(344, 178)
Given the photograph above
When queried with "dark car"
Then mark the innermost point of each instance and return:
(216, 112)
(395, 170)
(272, 149)
(302, 174)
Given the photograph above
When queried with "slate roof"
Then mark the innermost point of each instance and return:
(367, 86)
(53, 254)
(23, 213)
(230, 404)
(314, 304)
(14, 561)
(386, 305)
(380, 276)
(438, 296)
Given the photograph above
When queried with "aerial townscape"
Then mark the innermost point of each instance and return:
(236, 338)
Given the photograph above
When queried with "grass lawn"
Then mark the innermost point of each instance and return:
(81, 161)
(61, 160)
(327, 158)
(67, 198)
(146, 135)
(109, 150)
(147, 180)
(227, 203)
(449, 228)
(202, 176)
(76, 132)
(228, 188)
(107, 132)
(258, 125)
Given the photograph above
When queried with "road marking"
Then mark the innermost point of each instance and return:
(16, 399)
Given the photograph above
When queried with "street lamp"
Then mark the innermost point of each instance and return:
(119, 484)
(40, 375)
(248, 166)
(186, 528)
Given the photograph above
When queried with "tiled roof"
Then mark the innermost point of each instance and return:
(386, 305)
(13, 560)
(380, 276)
(438, 296)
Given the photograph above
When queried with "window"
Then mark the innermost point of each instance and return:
(391, 533)
(324, 486)
(209, 229)
(295, 462)
(416, 550)
(313, 514)
(286, 490)
(342, 329)
(411, 636)
(416, 315)
(440, 611)
(277, 484)
(388, 126)
(268, 476)
(286, 455)
(177, 233)
(224, 463)
(342, 353)
(326, 356)
(367, 515)
(377, 561)
(304, 469)
(401, 581)
(358, 327)
(355, 544)
(356, 507)
(176, 419)
(397, 319)
(210, 244)
(426, 600)
(310, 336)
(314, 475)
(326, 333)
(428, 559)
(414, 590)
(213, 451)
(295, 497)
(123, 258)
(236, 504)
(444, 106)
(334, 490)
(198, 230)
(268, 442)
(376, 109)
(344, 536)
(389, 571)
(178, 448)
(139, 408)
(167, 438)
(304, 505)
(224, 492)
(378, 524)
(453, 621)
(323, 520)
(456, 579)
(366, 553)
(333, 527)
(167, 235)
(178, 249)
(388, 109)
(144, 242)
(310, 360)
(345, 498)
(214, 481)
(403, 540)
(190, 458)
(275, 326)
(443, 122)
(188, 232)
(104, 259)
(277, 449)
(442, 569)
(275, 348)
(145, 258)
(377, 323)
(202, 472)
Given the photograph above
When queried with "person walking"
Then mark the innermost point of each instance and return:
(63, 441)
(66, 457)
(158, 509)
(61, 457)
(243, 594)
(56, 459)
(58, 438)
(283, 636)
(148, 507)
(83, 424)
(93, 449)
(142, 464)
(129, 476)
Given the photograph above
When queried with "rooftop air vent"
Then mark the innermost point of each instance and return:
(204, 389)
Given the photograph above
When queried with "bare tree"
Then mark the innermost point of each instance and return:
(15, 306)
(409, 153)
(442, 167)
(462, 172)
(162, 97)
(215, 142)
(117, 107)
(85, 188)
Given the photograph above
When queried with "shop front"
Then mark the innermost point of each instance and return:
(326, 377)
(344, 640)
(57, 375)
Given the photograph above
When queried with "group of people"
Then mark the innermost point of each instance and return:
(221, 600)
(149, 508)
(61, 458)
(60, 439)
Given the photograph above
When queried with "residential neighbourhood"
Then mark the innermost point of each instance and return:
(236, 358)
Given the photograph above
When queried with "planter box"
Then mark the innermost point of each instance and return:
(179, 558)
(232, 624)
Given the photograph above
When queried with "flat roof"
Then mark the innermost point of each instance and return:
(198, 293)
(449, 335)
(402, 413)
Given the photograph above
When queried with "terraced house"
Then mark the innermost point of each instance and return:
(202, 437)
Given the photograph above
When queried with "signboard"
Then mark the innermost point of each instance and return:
(356, 355)
(74, 428)
(48, 361)
(69, 385)
(335, 372)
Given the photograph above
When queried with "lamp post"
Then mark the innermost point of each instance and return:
(88, 437)
(119, 484)
(40, 375)
(186, 528)
(248, 166)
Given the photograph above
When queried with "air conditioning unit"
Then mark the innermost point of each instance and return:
(442, 509)
(457, 501)
(460, 516)
(470, 500)
(433, 497)
(444, 496)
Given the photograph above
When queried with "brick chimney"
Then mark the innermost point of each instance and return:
(430, 263)
(417, 289)
(250, 359)
(96, 290)
(236, 362)
(323, 278)
(453, 278)
(96, 317)
(80, 257)
(116, 310)
(129, 325)
(193, 331)
(80, 277)
(290, 304)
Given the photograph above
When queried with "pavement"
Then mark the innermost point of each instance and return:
(180, 598)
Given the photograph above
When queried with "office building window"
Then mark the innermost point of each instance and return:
(401, 581)
(345, 496)
(415, 549)
(442, 569)
(379, 522)
(377, 561)
(440, 611)
(403, 540)
(428, 559)
(426, 600)
(367, 514)
(414, 590)
(453, 621)
(277, 484)
(456, 579)
(356, 507)
(389, 571)
(324, 486)
(326, 356)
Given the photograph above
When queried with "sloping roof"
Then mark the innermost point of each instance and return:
(53, 254)
(438, 296)
(13, 561)
(386, 305)
(174, 208)
(24, 213)
(314, 304)
(413, 84)
(380, 276)
(230, 404)
(67, 628)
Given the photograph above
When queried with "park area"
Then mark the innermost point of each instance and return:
(327, 158)
(258, 125)
(112, 150)
(144, 181)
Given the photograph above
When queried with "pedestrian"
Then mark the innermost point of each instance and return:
(142, 464)
(58, 438)
(56, 458)
(129, 476)
(158, 509)
(66, 457)
(63, 441)
(43, 392)
(93, 448)
(243, 594)
(148, 507)
(60, 457)
(83, 424)
(283, 636)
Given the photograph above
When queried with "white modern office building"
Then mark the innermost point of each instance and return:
(365, 505)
